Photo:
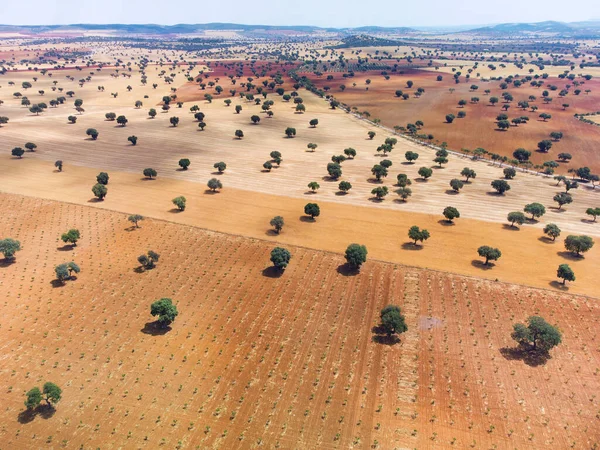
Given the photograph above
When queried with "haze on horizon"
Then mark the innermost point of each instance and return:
(339, 14)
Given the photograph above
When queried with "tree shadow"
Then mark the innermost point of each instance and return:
(310, 192)
(529, 357)
(556, 209)
(139, 269)
(407, 163)
(558, 285)
(57, 283)
(271, 232)
(509, 227)
(374, 181)
(421, 180)
(44, 411)
(451, 192)
(570, 256)
(347, 270)
(328, 178)
(307, 219)
(380, 336)
(210, 192)
(588, 221)
(154, 329)
(6, 262)
(95, 200)
(411, 246)
(217, 173)
(341, 193)
(66, 248)
(446, 223)
(272, 272)
(546, 239)
(375, 199)
(147, 179)
(494, 194)
(482, 265)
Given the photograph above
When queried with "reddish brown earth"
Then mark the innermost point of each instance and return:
(478, 128)
(289, 361)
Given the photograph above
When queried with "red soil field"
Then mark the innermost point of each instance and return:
(478, 128)
(290, 361)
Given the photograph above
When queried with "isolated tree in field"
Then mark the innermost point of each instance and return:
(563, 198)
(276, 157)
(201, 125)
(214, 184)
(344, 187)
(334, 170)
(149, 260)
(516, 217)
(510, 173)
(152, 113)
(33, 398)
(184, 163)
(255, 119)
(392, 320)
(313, 186)
(569, 184)
(564, 157)
(133, 139)
(102, 178)
(311, 146)
(220, 166)
(536, 335)
(468, 173)
(594, 212)
(450, 118)
(30, 146)
(138, 104)
(552, 231)
(59, 165)
(371, 134)
(122, 120)
(379, 192)
(521, 154)
(425, 172)
(165, 310)
(277, 223)
(18, 152)
(65, 271)
(150, 173)
(536, 210)
(489, 253)
(71, 236)
(566, 273)
(338, 159)
(411, 156)
(402, 180)
(456, 184)
(500, 186)
(356, 255)
(451, 213)
(556, 135)
(416, 234)
(179, 202)
(8, 247)
(239, 134)
(290, 132)
(93, 133)
(135, 219)
(238, 109)
(174, 121)
(268, 166)
(404, 192)
(379, 171)
(100, 191)
(545, 145)
(110, 116)
(578, 244)
(280, 257)
(314, 122)
(36, 109)
(50, 393)
(312, 210)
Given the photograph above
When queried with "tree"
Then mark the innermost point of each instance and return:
(392, 321)
(411, 156)
(510, 173)
(450, 118)
(334, 170)
(102, 178)
(314, 122)
(379, 171)
(313, 185)
(516, 217)
(566, 273)
(339, 159)
(290, 132)
(489, 253)
(371, 134)
(552, 231)
(556, 135)
(239, 134)
(255, 119)
(312, 210)
(214, 184)
(220, 166)
(122, 120)
(71, 236)
(184, 163)
(356, 255)
(564, 157)
(536, 210)
(93, 133)
(8, 247)
(33, 398)
(404, 192)
(174, 121)
(545, 145)
(425, 172)
(149, 261)
(52, 393)
(72, 119)
(36, 109)
(275, 157)
(135, 219)
(268, 166)
(537, 335)
(379, 192)
(277, 223)
(64, 271)
(503, 124)
(311, 146)
(59, 165)
(350, 153)
(152, 113)
(344, 186)
(149, 173)
(416, 234)
(594, 212)
(238, 109)
(30, 146)
(521, 154)
(165, 310)
(451, 213)
(18, 152)
(563, 198)
(133, 139)
(280, 257)
(578, 244)
(500, 186)
(456, 184)
(100, 191)
(468, 173)
(201, 125)
(179, 202)
(138, 104)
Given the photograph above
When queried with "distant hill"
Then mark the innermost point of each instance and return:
(548, 27)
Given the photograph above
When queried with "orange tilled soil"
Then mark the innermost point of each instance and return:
(287, 361)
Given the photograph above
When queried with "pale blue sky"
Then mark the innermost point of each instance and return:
(348, 13)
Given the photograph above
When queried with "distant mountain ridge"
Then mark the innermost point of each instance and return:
(550, 26)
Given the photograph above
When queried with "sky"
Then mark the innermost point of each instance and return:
(324, 13)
